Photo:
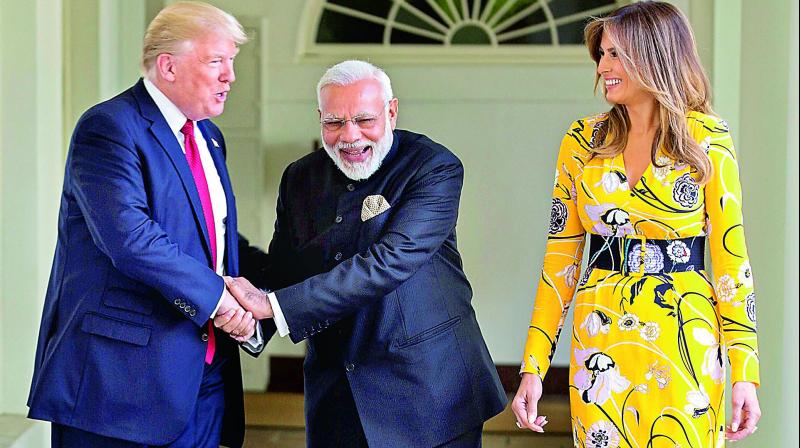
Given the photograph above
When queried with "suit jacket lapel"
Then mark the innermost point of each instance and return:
(170, 145)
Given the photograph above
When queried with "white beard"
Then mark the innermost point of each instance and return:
(365, 169)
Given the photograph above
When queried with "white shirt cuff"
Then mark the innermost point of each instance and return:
(256, 342)
(280, 321)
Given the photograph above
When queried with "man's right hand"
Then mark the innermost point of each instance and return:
(526, 401)
(233, 319)
(249, 297)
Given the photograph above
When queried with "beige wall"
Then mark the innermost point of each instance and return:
(504, 121)
(767, 142)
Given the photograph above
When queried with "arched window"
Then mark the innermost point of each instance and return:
(450, 29)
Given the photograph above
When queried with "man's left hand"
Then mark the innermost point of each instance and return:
(746, 411)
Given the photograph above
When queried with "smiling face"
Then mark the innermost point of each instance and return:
(198, 79)
(365, 124)
(619, 88)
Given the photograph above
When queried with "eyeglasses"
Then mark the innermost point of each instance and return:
(364, 121)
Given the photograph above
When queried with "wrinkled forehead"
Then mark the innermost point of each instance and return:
(361, 97)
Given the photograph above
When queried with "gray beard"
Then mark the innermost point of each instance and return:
(365, 169)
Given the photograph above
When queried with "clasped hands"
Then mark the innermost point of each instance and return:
(242, 306)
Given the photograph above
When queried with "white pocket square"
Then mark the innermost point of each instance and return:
(373, 206)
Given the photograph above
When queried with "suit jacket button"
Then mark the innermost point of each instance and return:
(349, 367)
(338, 256)
(351, 187)
(338, 219)
(204, 337)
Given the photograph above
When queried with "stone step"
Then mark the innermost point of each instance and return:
(285, 410)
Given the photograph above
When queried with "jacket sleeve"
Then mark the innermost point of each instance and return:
(733, 285)
(104, 172)
(562, 260)
(425, 216)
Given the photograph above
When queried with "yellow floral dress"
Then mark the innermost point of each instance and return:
(646, 368)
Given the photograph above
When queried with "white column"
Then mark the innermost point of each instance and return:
(31, 161)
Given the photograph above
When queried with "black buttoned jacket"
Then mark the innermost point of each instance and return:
(383, 302)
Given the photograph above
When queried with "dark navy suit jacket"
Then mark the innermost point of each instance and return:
(384, 303)
(121, 346)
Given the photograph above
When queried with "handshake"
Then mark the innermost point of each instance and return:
(242, 306)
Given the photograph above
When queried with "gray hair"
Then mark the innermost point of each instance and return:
(352, 71)
(178, 24)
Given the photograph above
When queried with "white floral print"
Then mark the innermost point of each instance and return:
(558, 216)
(712, 360)
(599, 378)
(698, 402)
(613, 181)
(653, 258)
(650, 331)
(686, 191)
(570, 274)
(660, 373)
(750, 304)
(602, 434)
(628, 322)
(596, 322)
(662, 168)
(609, 220)
(706, 144)
(726, 288)
(678, 252)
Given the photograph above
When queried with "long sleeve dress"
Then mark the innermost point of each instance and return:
(646, 368)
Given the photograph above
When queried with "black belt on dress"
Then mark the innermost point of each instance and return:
(637, 255)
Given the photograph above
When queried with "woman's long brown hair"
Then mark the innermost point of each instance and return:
(657, 49)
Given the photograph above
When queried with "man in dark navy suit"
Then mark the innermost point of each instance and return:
(147, 227)
(363, 263)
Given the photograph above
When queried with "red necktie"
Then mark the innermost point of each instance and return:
(193, 157)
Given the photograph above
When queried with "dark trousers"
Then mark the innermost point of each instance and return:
(470, 439)
(344, 430)
(203, 430)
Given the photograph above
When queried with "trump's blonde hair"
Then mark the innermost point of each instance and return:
(656, 47)
(175, 26)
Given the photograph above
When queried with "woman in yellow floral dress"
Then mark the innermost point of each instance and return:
(647, 184)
